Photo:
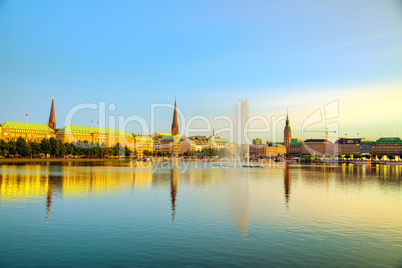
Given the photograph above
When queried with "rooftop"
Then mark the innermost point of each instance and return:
(90, 130)
(25, 126)
(389, 140)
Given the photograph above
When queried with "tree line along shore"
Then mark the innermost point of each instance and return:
(57, 149)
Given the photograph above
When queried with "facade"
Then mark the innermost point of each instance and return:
(143, 143)
(317, 147)
(218, 143)
(103, 136)
(275, 150)
(387, 146)
(295, 147)
(348, 146)
(257, 150)
(287, 135)
(365, 147)
(11, 131)
(257, 141)
(170, 144)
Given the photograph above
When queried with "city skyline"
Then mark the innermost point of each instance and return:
(210, 55)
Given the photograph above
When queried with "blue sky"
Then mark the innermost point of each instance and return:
(285, 54)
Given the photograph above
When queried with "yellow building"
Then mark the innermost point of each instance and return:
(170, 144)
(143, 143)
(104, 136)
(11, 131)
(275, 150)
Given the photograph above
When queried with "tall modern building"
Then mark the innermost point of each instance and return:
(52, 118)
(287, 134)
(175, 125)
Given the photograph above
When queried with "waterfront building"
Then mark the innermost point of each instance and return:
(287, 134)
(257, 141)
(11, 131)
(295, 147)
(317, 147)
(275, 149)
(143, 142)
(187, 144)
(103, 136)
(218, 142)
(365, 147)
(387, 146)
(169, 144)
(257, 150)
(348, 146)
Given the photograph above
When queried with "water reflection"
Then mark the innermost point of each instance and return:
(49, 196)
(21, 184)
(287, 181)
(174, 180)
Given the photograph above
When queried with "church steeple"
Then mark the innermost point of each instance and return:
(175, 125)
(287, 120)
(52, 117)
(287, 134)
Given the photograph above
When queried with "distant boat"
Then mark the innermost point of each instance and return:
(251, 166)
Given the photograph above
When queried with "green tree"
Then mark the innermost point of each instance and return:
(391, 157)
(12, 148)
(22, 147)
(62, 151)
(35, 148)
(127, 151)
(54, 147)
(45, 146)
(3, 148)
(380, 156)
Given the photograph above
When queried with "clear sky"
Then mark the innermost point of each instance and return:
(299, 55)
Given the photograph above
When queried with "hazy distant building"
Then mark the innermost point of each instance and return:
(365, 147)
(348, 146)
(317, 147)
(257, 150)
(257, 141)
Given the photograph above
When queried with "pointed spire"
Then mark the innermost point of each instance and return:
(52, 117)
(175, 125)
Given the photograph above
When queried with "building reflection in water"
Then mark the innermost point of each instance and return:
(174, 181)
(287, 182)
(49, 196)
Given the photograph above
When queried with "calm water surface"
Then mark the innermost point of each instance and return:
(111, 214)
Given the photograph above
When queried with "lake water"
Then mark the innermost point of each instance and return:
(112, 214)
